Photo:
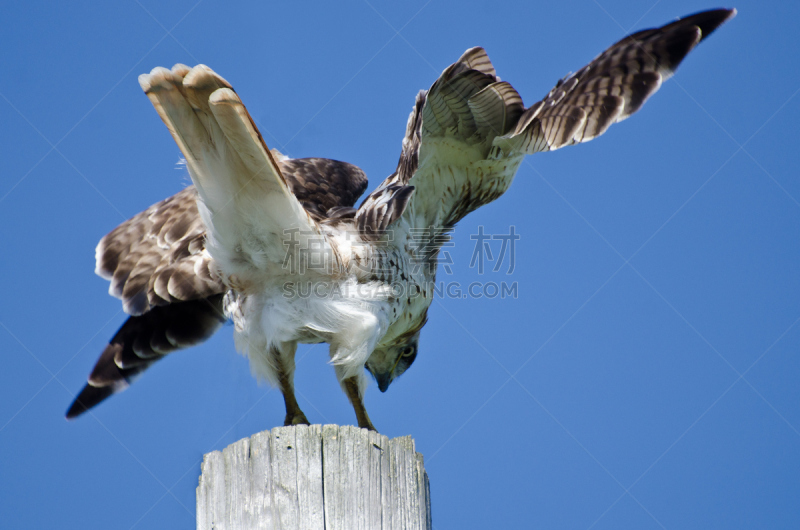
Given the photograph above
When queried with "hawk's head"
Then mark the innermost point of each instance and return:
(387, 364)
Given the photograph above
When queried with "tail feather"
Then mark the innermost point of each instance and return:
(245, 200)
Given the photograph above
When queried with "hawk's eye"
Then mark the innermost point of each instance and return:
(407, 351)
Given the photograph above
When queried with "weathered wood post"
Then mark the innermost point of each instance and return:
(315, 477)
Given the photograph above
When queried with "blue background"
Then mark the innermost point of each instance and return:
(645, 377)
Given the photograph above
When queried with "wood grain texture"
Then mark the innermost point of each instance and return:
(315, 477)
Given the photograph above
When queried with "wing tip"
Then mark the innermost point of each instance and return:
(88, 398)
(477, 59)
(715, 19)
(707, 21)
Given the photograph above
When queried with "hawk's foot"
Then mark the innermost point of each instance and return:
(367, 425)
(296, 418)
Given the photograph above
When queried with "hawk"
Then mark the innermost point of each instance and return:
(276, 244)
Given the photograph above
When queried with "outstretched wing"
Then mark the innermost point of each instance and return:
(245, 200)
(469, 132)
(610, 88)
(158, 265)
(448, 138)
(158, 257)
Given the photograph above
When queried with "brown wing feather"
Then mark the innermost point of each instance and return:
(152, 258)
(610, 88)
(466, 103)
(321, 184)
(143, 340)
(469, 116)
(157, 264)
(158, 257)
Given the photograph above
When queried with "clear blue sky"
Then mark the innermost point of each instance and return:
(645, 377)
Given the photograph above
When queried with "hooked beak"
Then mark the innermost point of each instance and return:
(383, 380)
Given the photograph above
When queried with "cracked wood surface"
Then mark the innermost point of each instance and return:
(315, 477)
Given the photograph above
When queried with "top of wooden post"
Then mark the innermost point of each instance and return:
(315, 477)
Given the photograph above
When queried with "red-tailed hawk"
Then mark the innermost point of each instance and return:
(277, 246)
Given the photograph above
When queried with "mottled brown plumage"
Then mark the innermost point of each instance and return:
(158, 257)
(159, 267)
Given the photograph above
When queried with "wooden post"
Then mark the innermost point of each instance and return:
(315, 477)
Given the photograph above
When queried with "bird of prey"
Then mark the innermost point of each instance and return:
(276, 244)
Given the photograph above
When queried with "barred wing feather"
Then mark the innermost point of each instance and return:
(467, 134)
(583, 105)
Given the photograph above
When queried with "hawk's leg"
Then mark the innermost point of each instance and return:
(282, 358)
(294, 416)
(349, 351)
(353, 390)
